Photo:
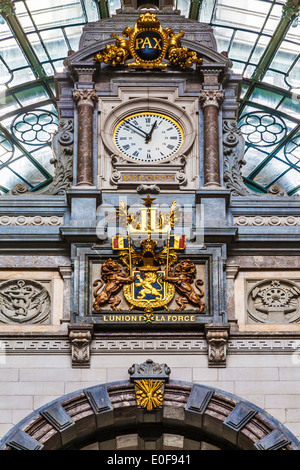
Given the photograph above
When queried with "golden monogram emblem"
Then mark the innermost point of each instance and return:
(148, 44)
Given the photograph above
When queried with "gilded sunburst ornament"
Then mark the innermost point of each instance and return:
(149, 395)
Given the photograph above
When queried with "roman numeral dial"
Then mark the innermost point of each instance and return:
(148, 137)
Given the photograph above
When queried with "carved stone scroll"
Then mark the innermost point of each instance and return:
(81, 338)
(233, 150)
(217, 340)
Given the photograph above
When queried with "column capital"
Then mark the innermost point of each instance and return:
(85, 97)
(7, 8)
(290, 9)
(211, 98)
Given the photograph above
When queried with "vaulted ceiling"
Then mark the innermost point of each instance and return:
(260, 36)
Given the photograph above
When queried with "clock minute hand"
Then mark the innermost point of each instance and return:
(140, 130)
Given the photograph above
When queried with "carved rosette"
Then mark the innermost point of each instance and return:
(81, 338)
(217, 340)
(210, 101)
(24, 301)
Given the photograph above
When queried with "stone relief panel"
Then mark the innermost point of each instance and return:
(273, 301)
(34, 298)
(25, 301)
(260, 298)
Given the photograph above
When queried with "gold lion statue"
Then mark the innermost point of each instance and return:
(183, 277)
(113, 277)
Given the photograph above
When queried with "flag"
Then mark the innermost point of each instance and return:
(119, 243)
(177, 242)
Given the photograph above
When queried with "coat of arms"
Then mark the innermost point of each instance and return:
(149, 254)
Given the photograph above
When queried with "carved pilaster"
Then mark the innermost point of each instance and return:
(210, 101)
(81, 338)
(85, 100)
(231, 273)
(217, 339)
(66, 274)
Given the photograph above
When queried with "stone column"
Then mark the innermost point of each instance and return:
(210, 101)
(85, 100)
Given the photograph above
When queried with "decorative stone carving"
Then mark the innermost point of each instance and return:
(211, 98)
(85, 97)
(272, 221)
(80, 337)
(276, 190)
(149, 379)
(149, 369)
(217, 340)
(62, 146)
(274, 301)
(233, 149)
(24, 301)
(36, 220)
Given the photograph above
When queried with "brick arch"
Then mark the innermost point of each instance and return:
(195, 412)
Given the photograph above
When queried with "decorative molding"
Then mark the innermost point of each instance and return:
(60, 346)
(274, 220)
(80, 337)
(98, 346)
(35, 220)
(232, 271)
(24, 301)
(217, 339)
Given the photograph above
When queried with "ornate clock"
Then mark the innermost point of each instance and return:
(148, 140)
(148, 136)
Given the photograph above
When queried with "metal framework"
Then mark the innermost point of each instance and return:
(263, 44)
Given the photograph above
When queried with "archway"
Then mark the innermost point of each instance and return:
(192, 417)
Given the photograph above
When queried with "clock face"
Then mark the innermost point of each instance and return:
(148, 137)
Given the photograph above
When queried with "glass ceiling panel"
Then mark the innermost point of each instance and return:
(243, 28)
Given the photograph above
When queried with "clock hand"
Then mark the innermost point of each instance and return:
(129, 124)
(148, 136)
